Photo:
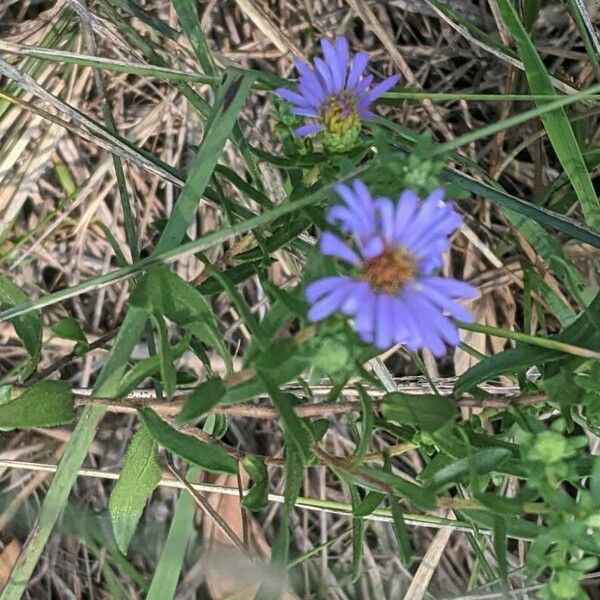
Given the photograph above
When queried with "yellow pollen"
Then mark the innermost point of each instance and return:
(339, 115)
(388, 271)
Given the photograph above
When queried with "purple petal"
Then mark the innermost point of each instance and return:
(421, 316)
(358, 65)
(331, 245)
(341, 51)
(364, 322)
(304, 112)
(294, 98)
(371, 248)
(363, 211)
(356, 297)
(363, 84)
(335, 68)
(442, 229)
(384, 334)
(443, 300)
(383, 87)
(309, 83)
(386, 217)
(328, 304)
(323, 286)
(308, 129)
(405, 209)
(425, 218)
(436, 319)
(406, 330)
(453, 288)
(325, 75)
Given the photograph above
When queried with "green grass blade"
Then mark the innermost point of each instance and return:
(171, 560)
(218, 128)
(188, 17)
(556, 123)
(56, 499)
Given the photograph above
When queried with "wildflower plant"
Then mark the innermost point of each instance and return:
(335, 94)
(393, 294)
(334, 261)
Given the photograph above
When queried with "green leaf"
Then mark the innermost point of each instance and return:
(500, 505)
(294, 426)
(139, 475)
(419, 496)
(188, 17)
(258, 495)
(367, 428)
(500, 550)
(166, 357)
(222, 119)
(145, 368)
(358, 534)
(400, 531)
(189, 448)
(584, 332)
(29, 326)
(168, 569)
(44, 404)
(556, 122)
(368, 504)
(478, 463)
(164, 293)
(201, 400)
(428, 412)
(69, 329)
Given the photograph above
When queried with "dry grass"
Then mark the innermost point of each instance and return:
(57, 185)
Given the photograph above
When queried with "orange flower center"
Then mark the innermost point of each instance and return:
(390, 270)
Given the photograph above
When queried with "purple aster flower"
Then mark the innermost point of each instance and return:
(335, 94)
(394, 295)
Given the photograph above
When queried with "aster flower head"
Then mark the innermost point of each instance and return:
(335, 94)
(393, 295)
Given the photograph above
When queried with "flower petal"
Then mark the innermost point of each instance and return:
(327, 305)
(304, 112)
(357, 66)
(382, 87)
(325, 75)
(386, 217)
(335, 68)
(384, 334)
(308, 129)
(320, 287)
(357, 295)
(341, 51)
(295, 98)
(405, 209)
(331, 245)
(364, 322)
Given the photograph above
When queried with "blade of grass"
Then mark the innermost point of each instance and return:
(169, 566)
(556, 123)
(188, 17)
(56, 498)
(218, 129)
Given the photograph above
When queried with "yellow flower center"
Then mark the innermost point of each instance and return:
(390, 270)
(339, 115)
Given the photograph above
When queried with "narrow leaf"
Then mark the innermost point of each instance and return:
(29, 326)
(44, 404)
(189, 448)
(139, 475)
(426, 411)
(201, 400)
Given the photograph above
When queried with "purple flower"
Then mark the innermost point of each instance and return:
(394, 295)
(335, 94)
